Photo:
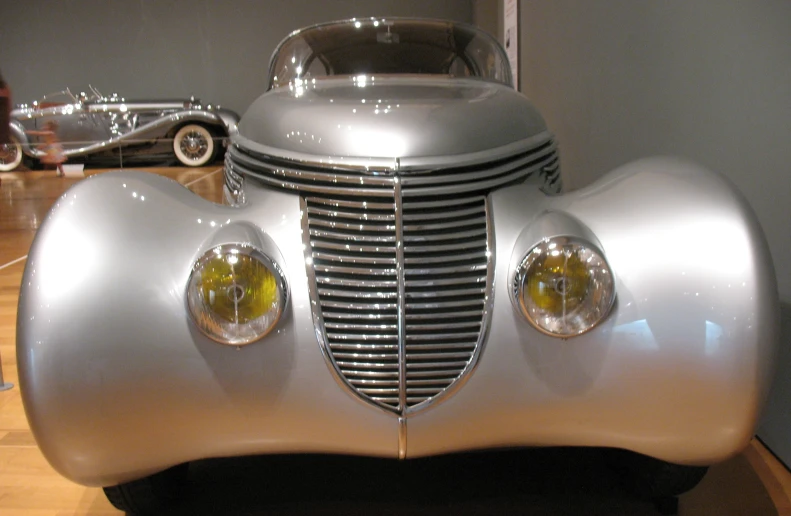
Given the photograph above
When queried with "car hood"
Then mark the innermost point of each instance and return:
(392, 117)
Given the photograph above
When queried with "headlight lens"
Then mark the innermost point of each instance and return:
(564, 286)
(236, 294)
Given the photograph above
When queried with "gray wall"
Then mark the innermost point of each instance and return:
(618, 80)
(216, 50)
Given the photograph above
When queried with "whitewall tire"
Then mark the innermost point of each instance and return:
(10, 155)
(194, 145)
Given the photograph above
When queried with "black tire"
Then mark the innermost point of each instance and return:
(652, 478)
(150, 495)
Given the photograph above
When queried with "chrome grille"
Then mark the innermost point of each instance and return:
(399, 347)
(400, 264)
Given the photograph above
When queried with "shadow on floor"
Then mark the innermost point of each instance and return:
(554, 482)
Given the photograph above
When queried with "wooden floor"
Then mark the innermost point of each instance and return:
(752, 484)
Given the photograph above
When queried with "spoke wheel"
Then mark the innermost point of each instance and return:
(193, 145)
(10, 155)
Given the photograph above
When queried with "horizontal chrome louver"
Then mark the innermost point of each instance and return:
(400, 265)
(446, 256)
(352, 244)
(322, 179)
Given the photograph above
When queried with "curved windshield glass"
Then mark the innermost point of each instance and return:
(389, 46)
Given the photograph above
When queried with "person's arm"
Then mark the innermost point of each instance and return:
(5, 111)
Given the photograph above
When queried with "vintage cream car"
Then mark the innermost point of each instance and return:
(395, 273)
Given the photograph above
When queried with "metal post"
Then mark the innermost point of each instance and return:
(3, 385)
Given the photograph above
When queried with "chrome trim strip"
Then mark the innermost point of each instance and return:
(388, 165)
(431, 347)
(442, 259)
(356, 283)
(352, 269)
(318, 221)
(362, 205)
(448, 178)
(445, 293)
(351, 236)
(352, 259)
(365, 356)
(367, 381)
(372, 316)
(377, 374)
(476, 186)
(374, 347)
(442, 336)
(324, 244)
(461, 222)
(435, 283)
(351, 215)
(399, 214)
(457, 213)
(424, 365)
(402, 433)
(359, 306)
(438, 248)
(452, 314)
(445, 202)
(254, 159)
(299, 187)
(433, 374)
(377, 337)
(445, 304)
(439, 356)
(538, 153)
(355, 294)
(451, 269)
(447, 236)
(365, 365)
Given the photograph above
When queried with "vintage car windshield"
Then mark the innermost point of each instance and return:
(389, 46)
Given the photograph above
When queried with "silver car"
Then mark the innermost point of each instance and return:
(395, 273)
(117, 129)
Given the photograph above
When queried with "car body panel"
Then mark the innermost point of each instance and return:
(390, 118)
(144, 374)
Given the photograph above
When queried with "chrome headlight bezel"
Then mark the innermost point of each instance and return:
(196, 306)
(575, 323)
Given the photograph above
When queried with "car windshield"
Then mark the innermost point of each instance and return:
(389, 46)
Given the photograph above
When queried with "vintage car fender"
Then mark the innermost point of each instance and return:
(17, 131)
(225, 118)
(118, 383)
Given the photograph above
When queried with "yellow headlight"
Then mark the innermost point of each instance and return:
(236, 294)
(564, 287)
